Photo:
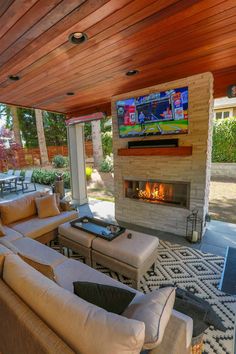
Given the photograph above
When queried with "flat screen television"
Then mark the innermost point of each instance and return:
(159, 113)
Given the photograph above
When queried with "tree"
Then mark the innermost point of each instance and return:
(97, 143)
(55, 129)
(28, 127)
(16, 125)
(41, 137)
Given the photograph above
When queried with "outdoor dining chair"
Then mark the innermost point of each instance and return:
(28, 180)
(10, 172)
(7, 185)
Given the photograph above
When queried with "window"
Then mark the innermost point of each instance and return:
(218, 115)
(224, 114)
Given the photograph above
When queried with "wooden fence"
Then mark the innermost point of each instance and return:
(31, 157)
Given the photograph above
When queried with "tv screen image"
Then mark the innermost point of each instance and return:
(159, 113)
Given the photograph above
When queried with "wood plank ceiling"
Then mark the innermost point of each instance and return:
(164, 40)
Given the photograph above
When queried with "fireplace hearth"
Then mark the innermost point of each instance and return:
(158, 192)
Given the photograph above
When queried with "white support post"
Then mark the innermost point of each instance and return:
(77, 163)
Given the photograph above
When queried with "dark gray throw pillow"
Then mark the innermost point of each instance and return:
(110, 298)
(200, 310)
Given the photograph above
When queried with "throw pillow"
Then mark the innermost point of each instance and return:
(154, 309)
(2, 231)
(110, 298)
(41, 267)
(201, 312)
(18, 209)
(47, 206)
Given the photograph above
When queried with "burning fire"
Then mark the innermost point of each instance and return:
(156, 191)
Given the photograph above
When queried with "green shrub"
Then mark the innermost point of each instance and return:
(224, 140)
(89, 171)
(66, 161)
(107, 164)
(47, 177)
(107, 143)
(59, 161)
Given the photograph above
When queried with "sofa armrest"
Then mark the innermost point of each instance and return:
(22, 331)
(177, 336)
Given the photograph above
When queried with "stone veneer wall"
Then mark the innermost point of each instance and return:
(194, 169)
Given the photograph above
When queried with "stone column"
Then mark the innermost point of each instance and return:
(77, 163)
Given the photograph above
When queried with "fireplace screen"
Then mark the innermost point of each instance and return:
(169, 193)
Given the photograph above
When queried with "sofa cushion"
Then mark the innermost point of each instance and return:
(10, 234)
(71, 270)
(47, 206)
(110, 298)
(2, 231)
(36, 227)
(84, 327)
(154, 309)
(38, 251)
(9, 245)
(18, 209)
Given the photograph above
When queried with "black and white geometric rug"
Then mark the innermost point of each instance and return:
(200, 273)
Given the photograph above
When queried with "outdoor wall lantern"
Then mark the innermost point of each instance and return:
(194, 227)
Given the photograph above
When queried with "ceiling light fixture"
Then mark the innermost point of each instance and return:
(14, 77)
(132, 72)
(78, 37)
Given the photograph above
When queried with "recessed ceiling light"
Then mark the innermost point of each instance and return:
(78, 37)
(70, 93)
(132, 72)
(13, 77)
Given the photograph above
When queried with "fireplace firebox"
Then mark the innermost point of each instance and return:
(158, 192)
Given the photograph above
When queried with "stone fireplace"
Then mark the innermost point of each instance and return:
(159, 191)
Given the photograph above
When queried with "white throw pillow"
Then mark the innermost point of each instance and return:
(154, 309)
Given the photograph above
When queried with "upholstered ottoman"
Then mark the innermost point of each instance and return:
(76, 240)
(131, 257)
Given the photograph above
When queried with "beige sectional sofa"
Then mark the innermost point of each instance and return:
(39, 315)
(19, 218)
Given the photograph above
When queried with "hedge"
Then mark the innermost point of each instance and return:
(224, 140)
(47, 177)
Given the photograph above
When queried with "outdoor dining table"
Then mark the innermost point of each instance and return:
(5, 179)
